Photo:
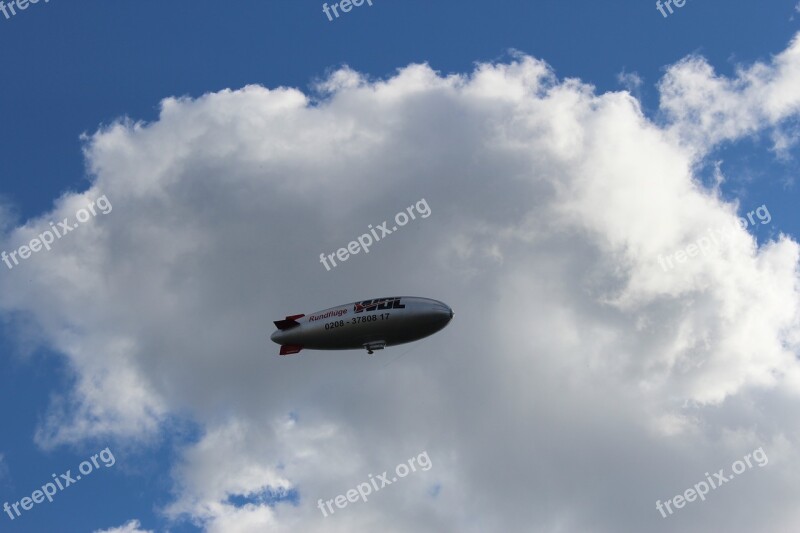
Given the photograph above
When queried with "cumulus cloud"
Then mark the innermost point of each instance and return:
(579, 381)
(706, 108)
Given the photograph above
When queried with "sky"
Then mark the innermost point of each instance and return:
(612, 216)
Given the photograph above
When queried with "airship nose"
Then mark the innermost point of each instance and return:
(444, 311)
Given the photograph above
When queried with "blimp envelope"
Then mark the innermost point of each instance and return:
(366, 324)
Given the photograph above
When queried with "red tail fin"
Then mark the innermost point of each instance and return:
(288, 322)
(291, 349)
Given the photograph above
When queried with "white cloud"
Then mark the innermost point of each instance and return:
(706, 109)
(134, 526)
(631, 81)
(579, 381)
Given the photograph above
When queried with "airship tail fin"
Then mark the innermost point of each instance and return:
(291, 349)
(288, 322)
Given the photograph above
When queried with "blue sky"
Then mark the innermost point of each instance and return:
(71, 68)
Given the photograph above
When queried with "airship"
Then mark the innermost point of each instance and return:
(367, 324)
